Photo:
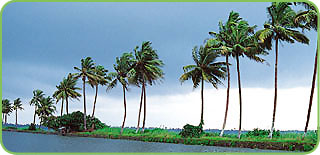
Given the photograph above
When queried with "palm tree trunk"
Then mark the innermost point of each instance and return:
(125, 109)
(16, 117)
(240, 99)
(34, 116)
(84, 104)
(5, 121)
(140, 110)
(95, 100)
(67, 104)
(201, 119)
(227, 104)
(61, 108)
(311, 94)
(144, 107)
(275, 90)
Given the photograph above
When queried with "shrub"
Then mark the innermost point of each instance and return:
(73, 122)
(32, 127)
(262, 133)
(191, 131)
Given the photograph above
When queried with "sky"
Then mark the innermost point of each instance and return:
(42, 42)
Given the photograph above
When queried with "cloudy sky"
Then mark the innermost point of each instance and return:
(42, 42)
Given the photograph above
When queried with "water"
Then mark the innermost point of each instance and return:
(28, 142)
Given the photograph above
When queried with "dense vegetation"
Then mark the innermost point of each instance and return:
(73, 122)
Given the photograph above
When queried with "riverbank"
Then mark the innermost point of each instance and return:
(288, 142)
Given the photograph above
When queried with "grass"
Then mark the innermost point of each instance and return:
(286, 141)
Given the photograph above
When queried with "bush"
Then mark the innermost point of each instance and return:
(32, 127)
(191, 131)
(73, 122)
(262, 133)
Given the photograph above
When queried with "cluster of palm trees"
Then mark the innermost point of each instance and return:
(139, 69)
(142, 67)
(8, 108)
(237, 38)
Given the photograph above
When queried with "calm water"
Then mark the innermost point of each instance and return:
(28, 142)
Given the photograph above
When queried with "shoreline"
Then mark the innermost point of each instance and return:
(285, 146)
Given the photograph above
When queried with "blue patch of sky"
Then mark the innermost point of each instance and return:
(42, 42)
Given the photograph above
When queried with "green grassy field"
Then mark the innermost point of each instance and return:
(286, 141)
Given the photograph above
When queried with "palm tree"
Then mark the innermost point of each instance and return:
(205, 69)
(59, 95)
(239, 39)
(86, 71)
(46, 108)
(122, 67)
(146, 70)
(218, 43)
(100, 78)
(308, 19)
(6, 109)
(280, 27)
(35, 101)
(17, 106)
(66, 89)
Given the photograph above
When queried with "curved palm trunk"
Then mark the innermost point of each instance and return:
(144, 107)
(34, 116)
(275, 90)
(311, 94)
(240, 99)
(227, 102)
(125, 109)
(5, 120)
(140, 110)
(61, 108)
(95, 100)
(201, 119)
(67, 104)
(16, 117)
(84, 104)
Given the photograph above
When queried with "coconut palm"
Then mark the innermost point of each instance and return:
(46, 108)
(308, 19)
(239, 40)
(85, 72)
(67, 89)
(100, 78)
(218, 43)
(205, 69)
(17, 106)
(35, 101)
(280, 27)
(59, 95)
(122, 67)
(6, 109)
(146, 70)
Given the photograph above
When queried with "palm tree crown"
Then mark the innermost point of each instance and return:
(205, 69)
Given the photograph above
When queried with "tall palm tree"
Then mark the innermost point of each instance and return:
(100, 78)
(146, 70)
(219, 44)
(17, 106)
(59, 95)
(85, 72)
(46, 108)
(35, 101)
(67, 89)
(308, 19)
(6, 109)
(122, 67)
(280, 27)
(205, 69)
(240, 40)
